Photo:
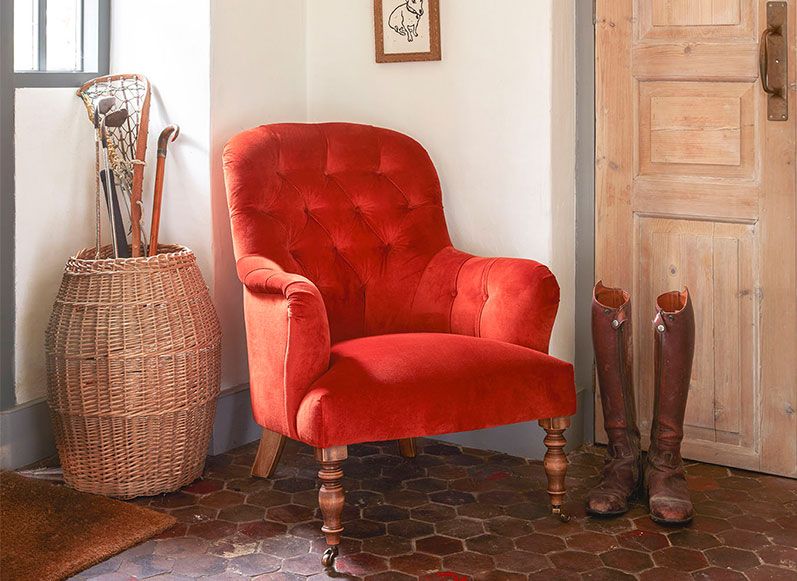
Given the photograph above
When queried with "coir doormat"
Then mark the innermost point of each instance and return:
(50, 532)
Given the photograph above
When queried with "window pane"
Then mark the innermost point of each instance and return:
(64, 33)
(26, 24)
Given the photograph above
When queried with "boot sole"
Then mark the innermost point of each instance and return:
(607, 514)
(664, 522)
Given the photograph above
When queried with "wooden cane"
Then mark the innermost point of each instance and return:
(172, 131)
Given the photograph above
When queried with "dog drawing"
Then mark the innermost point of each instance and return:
(404, 19)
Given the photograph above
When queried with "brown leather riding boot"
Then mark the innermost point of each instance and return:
(674, 331)
(612, 340)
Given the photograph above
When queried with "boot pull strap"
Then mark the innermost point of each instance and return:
(620, 317)
(658, 323)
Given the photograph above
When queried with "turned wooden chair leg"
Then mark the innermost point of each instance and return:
(268, 453)
(407, 447)
(331, 498)
(555, 462)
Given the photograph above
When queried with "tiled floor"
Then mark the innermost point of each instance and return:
(478, 514)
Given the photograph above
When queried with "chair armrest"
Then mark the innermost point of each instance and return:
(507, 299)
(287, 336)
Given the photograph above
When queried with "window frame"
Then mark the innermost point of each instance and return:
(54, 79)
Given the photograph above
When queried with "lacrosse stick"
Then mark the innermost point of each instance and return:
(127, 144)
(113, 120)
(173, 132)
(100, 110)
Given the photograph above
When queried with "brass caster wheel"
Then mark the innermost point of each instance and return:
(328, 558)
(563, 517)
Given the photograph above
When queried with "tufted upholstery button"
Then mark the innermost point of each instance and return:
(454, 293)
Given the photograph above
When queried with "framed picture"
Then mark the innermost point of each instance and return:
(407, 30)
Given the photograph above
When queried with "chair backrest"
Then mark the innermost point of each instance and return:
(356, 209)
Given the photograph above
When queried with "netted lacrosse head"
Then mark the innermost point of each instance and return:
(127, 144)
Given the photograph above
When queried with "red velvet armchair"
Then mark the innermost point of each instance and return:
(363, 322)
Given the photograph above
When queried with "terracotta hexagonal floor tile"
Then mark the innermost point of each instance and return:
(242, 513)
(389, 576)
(643, 540)
(308, 564)
(254, 564)
(627, 560)
(607, 574)
(204, 486)
(285, 546)
(144, 566)
(361, 564)
(460, 527)
(779, 556)
(742, 539)
(469, 563)
(438, 545)
(500, 575)
(194, 514)
(770, 573)
(199, 565)
(664, 574)
(521, 561)
(181, 547)
(479, 510)
(268, 498)
(416, 564)
(364, 529)
(540, 543)
(387, 546)
(508, 526)
(575, 561)
(717, 574)
(489, 544)
(289, 513)
(591, 542)
(692, 539)
(222, 499)
(452, 497)
(432, 513)
(385, 513)
(558, 574)
(212, 530)
(732, 558)
(680, 559)
(410, 529)
(262, 529)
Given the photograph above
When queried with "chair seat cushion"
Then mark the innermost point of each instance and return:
(420, 384)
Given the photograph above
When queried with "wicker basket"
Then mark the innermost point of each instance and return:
(133, 351)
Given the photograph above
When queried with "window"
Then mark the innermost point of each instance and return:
(60, 42)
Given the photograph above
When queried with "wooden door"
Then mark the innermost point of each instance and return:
(696, 186)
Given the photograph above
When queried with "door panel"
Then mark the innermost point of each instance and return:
(696, 187)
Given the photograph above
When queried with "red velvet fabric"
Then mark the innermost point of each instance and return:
(339, 234)
(421, 384)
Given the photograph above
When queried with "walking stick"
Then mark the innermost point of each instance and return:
(172, 131)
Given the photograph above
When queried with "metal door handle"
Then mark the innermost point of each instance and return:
(763, 61)
(773, 61)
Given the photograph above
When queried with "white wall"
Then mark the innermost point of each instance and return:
(256, 78)
(55, 212)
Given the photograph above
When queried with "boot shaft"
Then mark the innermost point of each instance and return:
(612, 340)
(674, 346)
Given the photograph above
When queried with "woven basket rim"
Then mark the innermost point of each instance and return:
(169, 256)
(86, 255)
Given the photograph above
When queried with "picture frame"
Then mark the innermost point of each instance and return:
(407, 30)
